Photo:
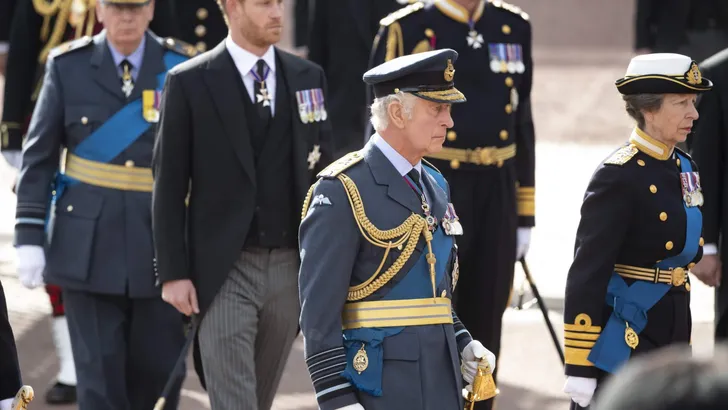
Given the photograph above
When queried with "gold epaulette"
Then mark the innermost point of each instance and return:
(180, 47)
(69, 46)
(340, 165)
(510, 7)
(622, 155)
(404, 11)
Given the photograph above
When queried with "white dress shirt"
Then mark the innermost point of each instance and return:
(245, 62)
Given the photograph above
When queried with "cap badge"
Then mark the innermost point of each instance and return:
(693, 76)
(449, 71)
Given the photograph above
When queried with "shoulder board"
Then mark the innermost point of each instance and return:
(622, 155)
(69, 46)
(180, 47)
(510, 7)
(429, 164)
(403, 12)
(340, 165)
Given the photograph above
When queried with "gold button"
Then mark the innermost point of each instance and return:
(454, 164)
(503, 135)
(509, 108)
(69, 208)
(663, 216)
(509, 82)
(84, 120)
(668, 245)
(691, 265)
(687, 287)
(129, 163)
(701, 242)
(201, 46)
(640, 163)
(451, 135)
(678, 161)
(506, 29)
(653, 189)
(429, 33)
(202, 13)
(200, 30)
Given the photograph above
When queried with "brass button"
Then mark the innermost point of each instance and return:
(202, 13)
(451, 135)
(691, 265)
(509, 82)
(668, 245)
(678, 161)
(454, 164)
(506, 29)
(200, 30)
(84, 120)
(653, 189)
(503, 135)
(69, 208)
(701, 242)
(201, 46)
(429, 33)
(640, 163)
(129, 163)
(663, 216)
(509, 108)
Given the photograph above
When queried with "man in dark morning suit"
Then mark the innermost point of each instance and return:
(10, 380)
(243, 132)
(89, 218)
(340, 41)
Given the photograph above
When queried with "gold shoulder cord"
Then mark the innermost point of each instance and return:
(74, 12)
(395, 42)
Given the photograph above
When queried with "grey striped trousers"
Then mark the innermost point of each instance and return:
(246, 335)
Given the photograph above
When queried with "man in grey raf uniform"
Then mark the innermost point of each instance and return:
(90, 217)
(378, 256)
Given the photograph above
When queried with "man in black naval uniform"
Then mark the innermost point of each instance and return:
(201, 23)
(488, 157)
(340, 41)
(709, 148)
(9, 368)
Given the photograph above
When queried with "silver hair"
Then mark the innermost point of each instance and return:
(380, 115)
(638, 104)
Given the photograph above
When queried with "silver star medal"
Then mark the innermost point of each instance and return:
(127, 88)
(314, 156)
(475, 39)
(263, 97)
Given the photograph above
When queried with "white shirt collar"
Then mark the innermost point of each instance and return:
(245, 60)
(401, 163)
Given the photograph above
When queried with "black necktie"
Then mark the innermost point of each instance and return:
(127, 81)
(415, 176)
(261, 92)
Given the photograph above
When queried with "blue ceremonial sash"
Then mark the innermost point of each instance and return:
(114, 136)
(416, 284)
(631, 303)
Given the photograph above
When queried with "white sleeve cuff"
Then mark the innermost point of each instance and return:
(4, 47)
(5, 404)
(710, 249)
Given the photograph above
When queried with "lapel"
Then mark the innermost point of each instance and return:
(361, 10)
(152, 64)
(438, 197)
(105, 72)
(386, 174)
(220, 77)
(294, 75)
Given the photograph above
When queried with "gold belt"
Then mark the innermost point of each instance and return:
(485, 156)
(125, 178)
(390, 313)
(675, 277)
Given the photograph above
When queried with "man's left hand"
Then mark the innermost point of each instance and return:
(472, 352)
(523, 243)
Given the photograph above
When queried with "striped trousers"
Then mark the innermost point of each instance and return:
(247, 333)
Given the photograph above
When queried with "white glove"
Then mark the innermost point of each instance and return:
(473, 351)
(15, 159)
(523, 243)
(581, 389)
(31, 262)
(5, 404)
(349, 407)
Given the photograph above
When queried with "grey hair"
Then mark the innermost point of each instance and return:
(380, 115)
(638, 104)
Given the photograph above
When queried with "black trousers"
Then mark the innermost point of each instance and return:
(124, 349)
(485, 201)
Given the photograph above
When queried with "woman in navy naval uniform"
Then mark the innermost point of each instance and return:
(627, 291)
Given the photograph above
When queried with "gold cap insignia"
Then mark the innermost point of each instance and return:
(449, 71)
(693, 75)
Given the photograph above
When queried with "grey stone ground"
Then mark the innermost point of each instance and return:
(581, 48)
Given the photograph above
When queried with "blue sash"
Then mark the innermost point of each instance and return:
(631, 303)
(416, 284)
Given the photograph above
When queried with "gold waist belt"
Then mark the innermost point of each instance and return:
(485, 156)
(674, 277)
(391, 313)
(124, 178)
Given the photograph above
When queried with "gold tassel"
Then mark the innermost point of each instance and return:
(395, 42)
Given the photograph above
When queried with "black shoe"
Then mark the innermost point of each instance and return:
(61, 393)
